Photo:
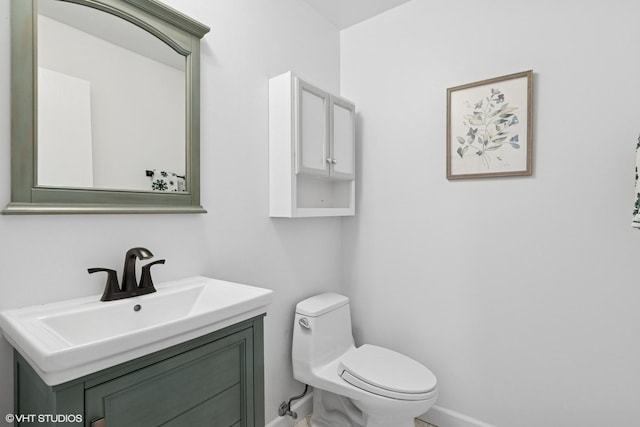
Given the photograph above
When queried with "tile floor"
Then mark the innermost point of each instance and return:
(306, 422)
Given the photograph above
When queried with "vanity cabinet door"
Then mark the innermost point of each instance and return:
(207, 386)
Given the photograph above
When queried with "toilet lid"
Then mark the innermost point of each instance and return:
(387, 373)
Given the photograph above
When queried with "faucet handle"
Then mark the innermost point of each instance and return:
(146, 282)
(112, 287)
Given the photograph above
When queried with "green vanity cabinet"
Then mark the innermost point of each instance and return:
(214, 380)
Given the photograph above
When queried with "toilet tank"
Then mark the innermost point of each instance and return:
(321, 332)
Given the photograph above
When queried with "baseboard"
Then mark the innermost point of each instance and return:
(302, 408)
(443, 417)
(437, 415)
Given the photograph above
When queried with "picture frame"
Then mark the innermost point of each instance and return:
(489, 127)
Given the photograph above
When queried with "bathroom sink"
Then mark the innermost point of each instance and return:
(67, 340)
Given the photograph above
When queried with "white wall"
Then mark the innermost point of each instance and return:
(522, 293)
(44, 258)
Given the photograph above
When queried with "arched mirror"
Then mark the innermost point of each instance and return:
(105, 107)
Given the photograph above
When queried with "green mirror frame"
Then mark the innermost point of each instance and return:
(180, 32)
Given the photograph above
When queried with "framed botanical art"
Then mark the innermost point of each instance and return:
(489, 126)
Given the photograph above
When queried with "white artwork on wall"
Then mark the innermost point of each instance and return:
(489, 127)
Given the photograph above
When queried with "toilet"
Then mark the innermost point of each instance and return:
(366, 386)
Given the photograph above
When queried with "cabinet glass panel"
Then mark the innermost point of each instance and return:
(312, 136)
(343, 141)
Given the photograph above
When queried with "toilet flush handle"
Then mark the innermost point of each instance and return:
(304, 322)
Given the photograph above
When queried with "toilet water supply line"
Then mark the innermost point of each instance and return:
(285, 407)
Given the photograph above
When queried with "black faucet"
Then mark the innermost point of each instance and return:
(130, 286)
(129, 281)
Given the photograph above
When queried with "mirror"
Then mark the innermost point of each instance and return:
(105, 107)
(111, 102)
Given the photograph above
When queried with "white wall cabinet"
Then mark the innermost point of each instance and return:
(311, 150)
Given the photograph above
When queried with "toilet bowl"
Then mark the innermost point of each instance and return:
(366, 386)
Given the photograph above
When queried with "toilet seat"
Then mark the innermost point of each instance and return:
(386, 373)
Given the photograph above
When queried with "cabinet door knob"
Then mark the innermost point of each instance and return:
(334, 161)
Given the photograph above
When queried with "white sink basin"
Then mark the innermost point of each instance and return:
(67, 340)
